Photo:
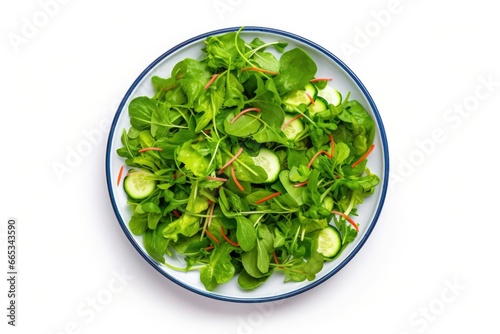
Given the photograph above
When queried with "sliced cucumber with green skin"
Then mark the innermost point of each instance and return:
(319, 105)
(331, 95)
(137, 185)
(294, 99)
(270, 162)
(311, 90)
(293, 127)
(297, 97)
(329, 242)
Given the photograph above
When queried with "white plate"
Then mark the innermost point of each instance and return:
(328, 66)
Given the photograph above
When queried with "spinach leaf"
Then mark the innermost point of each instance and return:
(296, 70)
(140, 110)
(245, 233)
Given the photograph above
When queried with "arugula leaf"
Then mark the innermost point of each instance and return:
(219, 270)
(155, 243)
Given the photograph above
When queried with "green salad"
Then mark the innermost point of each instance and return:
(246, 165)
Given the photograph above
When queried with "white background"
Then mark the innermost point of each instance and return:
(429, 265)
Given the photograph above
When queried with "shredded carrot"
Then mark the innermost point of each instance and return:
(209, 248)
(290, 121)
(227, 239)
(267, 198)
(321, 79)
(167, 88)
(142, 150)
(301, 184)
(119, 176)
(349, 219)
(211, 236)
(244, 112)
(238, 184)
(363, 157)
(332, 142)
(310, 99)
(213, 178)
(176, 213)
(275, 257)
(259, 70)
(231, 160)
(211, 81)
(315, 156)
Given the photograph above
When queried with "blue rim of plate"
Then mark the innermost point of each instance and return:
(297, 38)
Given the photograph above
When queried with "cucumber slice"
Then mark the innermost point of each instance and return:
(311, 90)
(294, 99)
(329, 242)
(331, 95)
(320, 104)
(138, 186)
(297, 97)
(293, 127)
(268, 160)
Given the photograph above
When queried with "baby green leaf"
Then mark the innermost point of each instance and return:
(246, 234)
(192, 159)
(140, 110)
(296, 69)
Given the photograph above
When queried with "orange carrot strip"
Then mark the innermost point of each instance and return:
(227, 239)
(315, 156)
(244, 112)
(231, 160)
(259, 70)
(142, 150)
(119, 176)
(310, 99)
(275, 257)
(267, 198)
(211, 81)
(176, 214)
(363, 157)
(332, 142)
(238, 184)
(349, 219)
(220, 179)
(301, 184)
(320, 79)
(290, 121)
(211, 236)
(209, 248)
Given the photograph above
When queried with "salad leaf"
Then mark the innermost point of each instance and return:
(296, 69)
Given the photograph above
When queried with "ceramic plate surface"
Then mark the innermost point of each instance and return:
(328, 66)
